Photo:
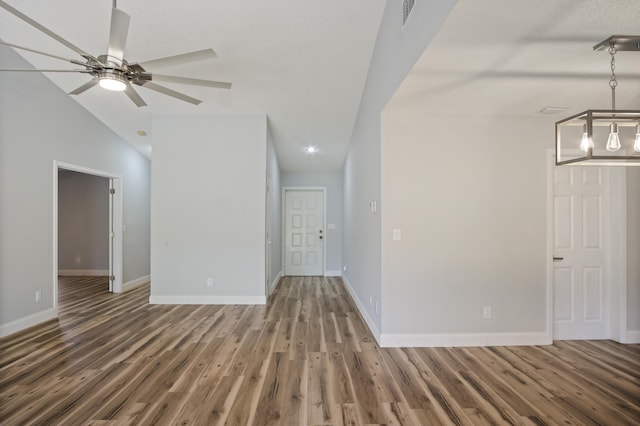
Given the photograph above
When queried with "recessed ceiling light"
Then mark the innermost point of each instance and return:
(311, 149)
(141, 133)
(553, 110)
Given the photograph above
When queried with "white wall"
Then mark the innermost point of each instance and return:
(39, 124)
(83, 223)
(274, 175)
(633, 253)
(332, 181)
(472, 212)
(208, 209)
(395, 52)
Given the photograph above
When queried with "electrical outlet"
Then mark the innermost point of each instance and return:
(486, 312)
(209, 282)
(397, 234)
(38, 295)
(78, 260)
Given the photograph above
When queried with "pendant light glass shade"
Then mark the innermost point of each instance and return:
(586, 142)
(613, 142)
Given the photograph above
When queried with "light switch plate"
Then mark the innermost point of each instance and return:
(397, 235)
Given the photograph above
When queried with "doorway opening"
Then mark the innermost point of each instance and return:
(87, 240)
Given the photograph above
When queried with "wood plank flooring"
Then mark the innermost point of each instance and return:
(305, 358)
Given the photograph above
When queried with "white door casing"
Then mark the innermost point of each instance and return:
(304, 232)
(581, 287)
(267, 284)
(112, 234)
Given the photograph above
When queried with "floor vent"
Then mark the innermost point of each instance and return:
(407, 7)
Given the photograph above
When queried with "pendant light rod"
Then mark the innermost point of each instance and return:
(613, 82)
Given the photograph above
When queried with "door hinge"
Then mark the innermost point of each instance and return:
(112, 278)
(112, 190)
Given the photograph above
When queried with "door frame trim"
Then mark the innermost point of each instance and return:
(117, 223)
(324, 222)
(616, 255)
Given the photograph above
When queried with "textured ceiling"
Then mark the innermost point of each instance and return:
(515, 57)
(303, 63)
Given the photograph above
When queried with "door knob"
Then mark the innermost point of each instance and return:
(320, 236)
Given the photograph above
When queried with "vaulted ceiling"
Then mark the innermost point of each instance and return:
(304, 63)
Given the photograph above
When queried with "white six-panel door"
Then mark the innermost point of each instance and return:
(304, 232)
(580, 275)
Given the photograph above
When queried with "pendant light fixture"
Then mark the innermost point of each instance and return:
(602, 137)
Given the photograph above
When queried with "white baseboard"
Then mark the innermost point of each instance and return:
(83, 272)
(464, 339)
(26, 322)
(130, 285)
(207, 300)
(447, 340)
(333, 274)
(363, 312)
(275, 282)
(633, 337)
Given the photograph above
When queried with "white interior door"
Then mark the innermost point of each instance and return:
(580, 272)
(304, 232)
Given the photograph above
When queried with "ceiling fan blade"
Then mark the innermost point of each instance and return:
(88, 85)
(45, 30)
(169, 92)
(183, 58)
(118, 35)
(28, 49)
(192, 81)
(134, 96)
(40, 70)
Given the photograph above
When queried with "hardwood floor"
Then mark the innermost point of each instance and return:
(304, 358)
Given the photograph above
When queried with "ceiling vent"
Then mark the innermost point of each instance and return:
(407, 7)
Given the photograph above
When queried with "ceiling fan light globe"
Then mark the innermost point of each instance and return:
(110, 84)
(112, 81)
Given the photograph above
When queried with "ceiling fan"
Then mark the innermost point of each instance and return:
(111, 71)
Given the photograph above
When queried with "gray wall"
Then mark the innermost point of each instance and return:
(39, 123)
(208, 208)
(333, 184)
(473, 222)
(83, 222)
(395, 52)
